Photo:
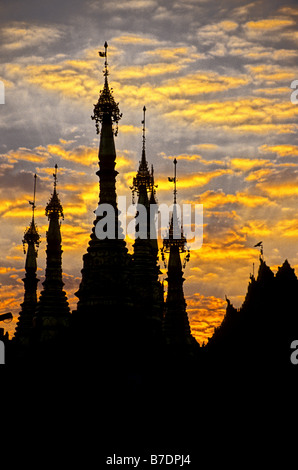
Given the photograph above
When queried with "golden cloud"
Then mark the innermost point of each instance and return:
(194, 157)
(205, 313)
(282, 150)
(37, 155)
(228, 25)
(273, 91)
(185, 54)
(148, 70)
(201, 83)
(205, 146)
(24, 35)
(211, 199)
(280, 190)
(269, 24)
(246, 164)
(258, 175)
(194, 180)
(135, 39)
(271, 72)
(258, 115)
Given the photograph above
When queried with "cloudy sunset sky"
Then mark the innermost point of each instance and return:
(215, 77)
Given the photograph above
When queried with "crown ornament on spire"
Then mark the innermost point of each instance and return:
(143, 177)
(31, 235)
(106, 107)
(54, 207)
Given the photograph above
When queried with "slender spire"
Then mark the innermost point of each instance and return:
(148, 289)
(31, 239)
(34, 195)
(52, 312)
(174, 180)
(175, 236)
(176, 325)
(144, 180)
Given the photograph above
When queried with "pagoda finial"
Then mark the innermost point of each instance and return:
(106, 107)
(55, 176)
(174, 180)
(144, 131)
(105, 54)
(33, 202)
(31, 235)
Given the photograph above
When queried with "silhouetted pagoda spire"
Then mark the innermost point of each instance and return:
(52, 312)
(148, 290)
(175, 325)
(105, 275)
(23, 332)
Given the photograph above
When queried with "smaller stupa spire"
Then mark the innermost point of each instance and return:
(176, 236)
(31, 241)
(31, 236)
(175, 323)
(52, 311)
(148, 298)
(144, 180)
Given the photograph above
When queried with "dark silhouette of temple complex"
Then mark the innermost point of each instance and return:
(120, 296)
(122, 320)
